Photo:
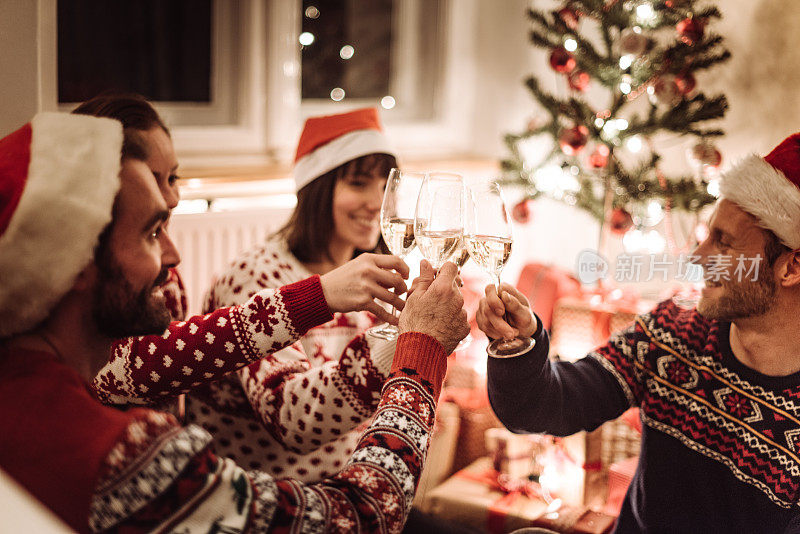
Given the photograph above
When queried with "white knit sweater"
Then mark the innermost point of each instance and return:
(294, 413)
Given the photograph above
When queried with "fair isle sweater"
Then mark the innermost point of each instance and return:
(296, 412)
(101, 469)
(720, 442)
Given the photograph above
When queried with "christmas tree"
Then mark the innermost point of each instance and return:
(643, 56)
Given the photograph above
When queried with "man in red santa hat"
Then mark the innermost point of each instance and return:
(718, 387)
(83, 250)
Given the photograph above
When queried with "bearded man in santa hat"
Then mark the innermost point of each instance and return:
(83, 252)
(717, 387)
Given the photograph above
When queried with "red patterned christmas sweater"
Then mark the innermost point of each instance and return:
(720, 443)
(101, 469)
(296, 412)
(148, 369)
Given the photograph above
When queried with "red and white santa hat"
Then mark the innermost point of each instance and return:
(59, 175)
(769, 189)
(332, 140)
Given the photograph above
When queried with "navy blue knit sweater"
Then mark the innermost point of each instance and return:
(720, 441)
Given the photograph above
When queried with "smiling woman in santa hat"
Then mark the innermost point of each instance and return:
(296, 412)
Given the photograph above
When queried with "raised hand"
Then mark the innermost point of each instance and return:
(436, 307)
(355, 285)
(505, 316)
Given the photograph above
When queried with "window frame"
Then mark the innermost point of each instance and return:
(268, 108)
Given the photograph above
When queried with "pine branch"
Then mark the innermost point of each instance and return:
(701, 63)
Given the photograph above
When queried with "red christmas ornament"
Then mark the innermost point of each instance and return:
(674, 4)
(521, 212)
(599, 158)
(561, 60)
(620, 221)
(691, 30)
(573, 140)
(706, 153)
(578, 80)
(570, 17)
(685, 82)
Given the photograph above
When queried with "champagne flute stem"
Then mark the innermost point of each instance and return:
(496, 277)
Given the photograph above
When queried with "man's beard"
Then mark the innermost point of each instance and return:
(119, 311)
(740, 300)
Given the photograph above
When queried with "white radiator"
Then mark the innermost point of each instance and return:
(208, 242)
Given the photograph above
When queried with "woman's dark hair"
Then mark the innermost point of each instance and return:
(134, 112)
(310, 226)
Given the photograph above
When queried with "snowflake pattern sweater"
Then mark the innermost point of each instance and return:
(101, 469)
(720, 442)
(147, 369)
(296, 412)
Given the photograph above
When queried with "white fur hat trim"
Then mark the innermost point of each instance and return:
(341, 150)
(763, 191)
(73, 178)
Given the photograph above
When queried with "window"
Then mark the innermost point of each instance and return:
(161, 50)
(346, 51)
(178, 54)
(234, 83)
(378, 53)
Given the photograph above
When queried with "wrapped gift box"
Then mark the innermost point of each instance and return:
(620, 475)
(477, 497)
(472, 497)
(517, 455)
(580, 324)
(441, 451)
(595, 452)
(475, 418)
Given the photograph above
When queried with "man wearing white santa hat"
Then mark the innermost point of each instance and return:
(717, 387)
(83, 250)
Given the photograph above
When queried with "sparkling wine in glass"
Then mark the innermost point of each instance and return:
(439, 217)
(460, 257)
(397, 225)
(487, 234)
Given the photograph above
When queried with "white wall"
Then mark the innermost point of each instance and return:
(18, 66)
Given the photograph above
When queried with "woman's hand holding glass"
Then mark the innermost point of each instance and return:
(355, 285)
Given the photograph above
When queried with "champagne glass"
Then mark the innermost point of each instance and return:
(397, 225)
(487, 233)
(460, 257)
(439, 217)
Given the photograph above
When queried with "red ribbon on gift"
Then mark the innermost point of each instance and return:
(512, 488)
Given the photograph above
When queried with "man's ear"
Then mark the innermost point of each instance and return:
(790, 271)
(86, 279)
